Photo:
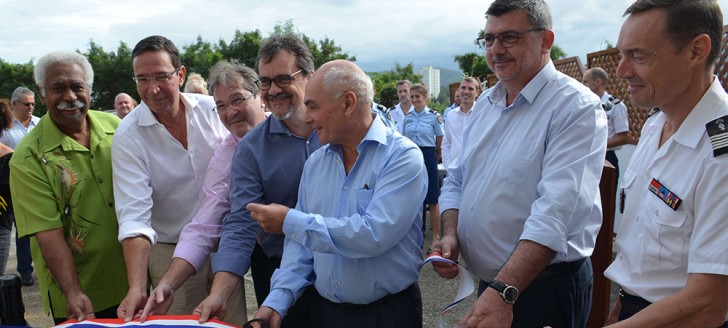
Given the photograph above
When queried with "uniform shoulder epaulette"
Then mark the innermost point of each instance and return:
(614, 100)
(653, 111)
(382, 108)
(718, 135)
(438, 115)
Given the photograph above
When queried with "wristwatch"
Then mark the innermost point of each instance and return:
(508, 292)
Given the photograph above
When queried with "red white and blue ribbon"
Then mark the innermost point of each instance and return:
(163, 321)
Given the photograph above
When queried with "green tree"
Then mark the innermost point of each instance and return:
(19, 75)
(243, 48)
(322, 51)
(473, 64)
(200, 56)
(385, 83)
(557, 52)
(112, 74)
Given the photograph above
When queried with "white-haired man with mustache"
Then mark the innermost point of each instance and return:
(63, 170)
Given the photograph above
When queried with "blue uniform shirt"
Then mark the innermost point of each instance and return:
(422, 127)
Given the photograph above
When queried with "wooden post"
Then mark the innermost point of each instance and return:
(602, 256)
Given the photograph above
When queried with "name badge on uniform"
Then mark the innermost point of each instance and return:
(665, 194)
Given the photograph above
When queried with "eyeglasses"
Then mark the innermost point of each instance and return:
(28, 104)
(507, 39)
(281, 81)
(235, 103)
(160, 78)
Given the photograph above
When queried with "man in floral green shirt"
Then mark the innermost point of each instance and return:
(63, 170)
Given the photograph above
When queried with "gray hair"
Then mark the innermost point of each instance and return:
(538, 11)
(20, 92)
(62, 57)
(224, 73)
(290, 44)
(338, 80)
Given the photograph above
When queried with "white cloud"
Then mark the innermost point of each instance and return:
(378, 32)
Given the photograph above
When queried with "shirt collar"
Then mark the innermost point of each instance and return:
(147, 118)
(377, 133)
(531, 90)
(53, 137)
(33, 121)
(707, 109)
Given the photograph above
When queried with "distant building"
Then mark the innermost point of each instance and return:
(431, 78)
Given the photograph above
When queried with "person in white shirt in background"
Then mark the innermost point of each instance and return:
(452, 142)
(405, 104)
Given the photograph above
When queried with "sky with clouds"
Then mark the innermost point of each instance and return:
(379, 33)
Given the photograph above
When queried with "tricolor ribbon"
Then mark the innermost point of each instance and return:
(179, 321)
(465, 285)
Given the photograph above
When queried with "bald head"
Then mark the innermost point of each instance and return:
(338, 102)
(123, 104)
(596, 79)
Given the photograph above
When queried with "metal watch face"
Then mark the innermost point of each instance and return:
(510, 294)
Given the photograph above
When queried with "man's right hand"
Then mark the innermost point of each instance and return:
(131, 307)
(78, 306)
(214, 306)
(448, 248)
(270, 315)
(159, 302)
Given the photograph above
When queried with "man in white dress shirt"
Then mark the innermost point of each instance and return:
(672, 265)
(159, 156)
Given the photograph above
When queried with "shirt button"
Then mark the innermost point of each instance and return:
(345, 187)
(338, 161)
(92, 156)
(657, 213)
(317, 249)
(101, 180)
(293, 235)
(338, 282)
(111, 204)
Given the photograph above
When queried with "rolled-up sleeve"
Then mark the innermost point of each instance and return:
(132, 189)
(571, 171)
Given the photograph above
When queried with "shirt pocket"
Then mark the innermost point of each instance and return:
(363, 198)
(627, 179)
(665, 232)
(515, 160)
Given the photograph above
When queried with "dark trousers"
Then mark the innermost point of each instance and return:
(557, 298)
(400, 310)
(632, 304)
(22, 251)
(611, 157)
(109, 313)
(261, 270)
